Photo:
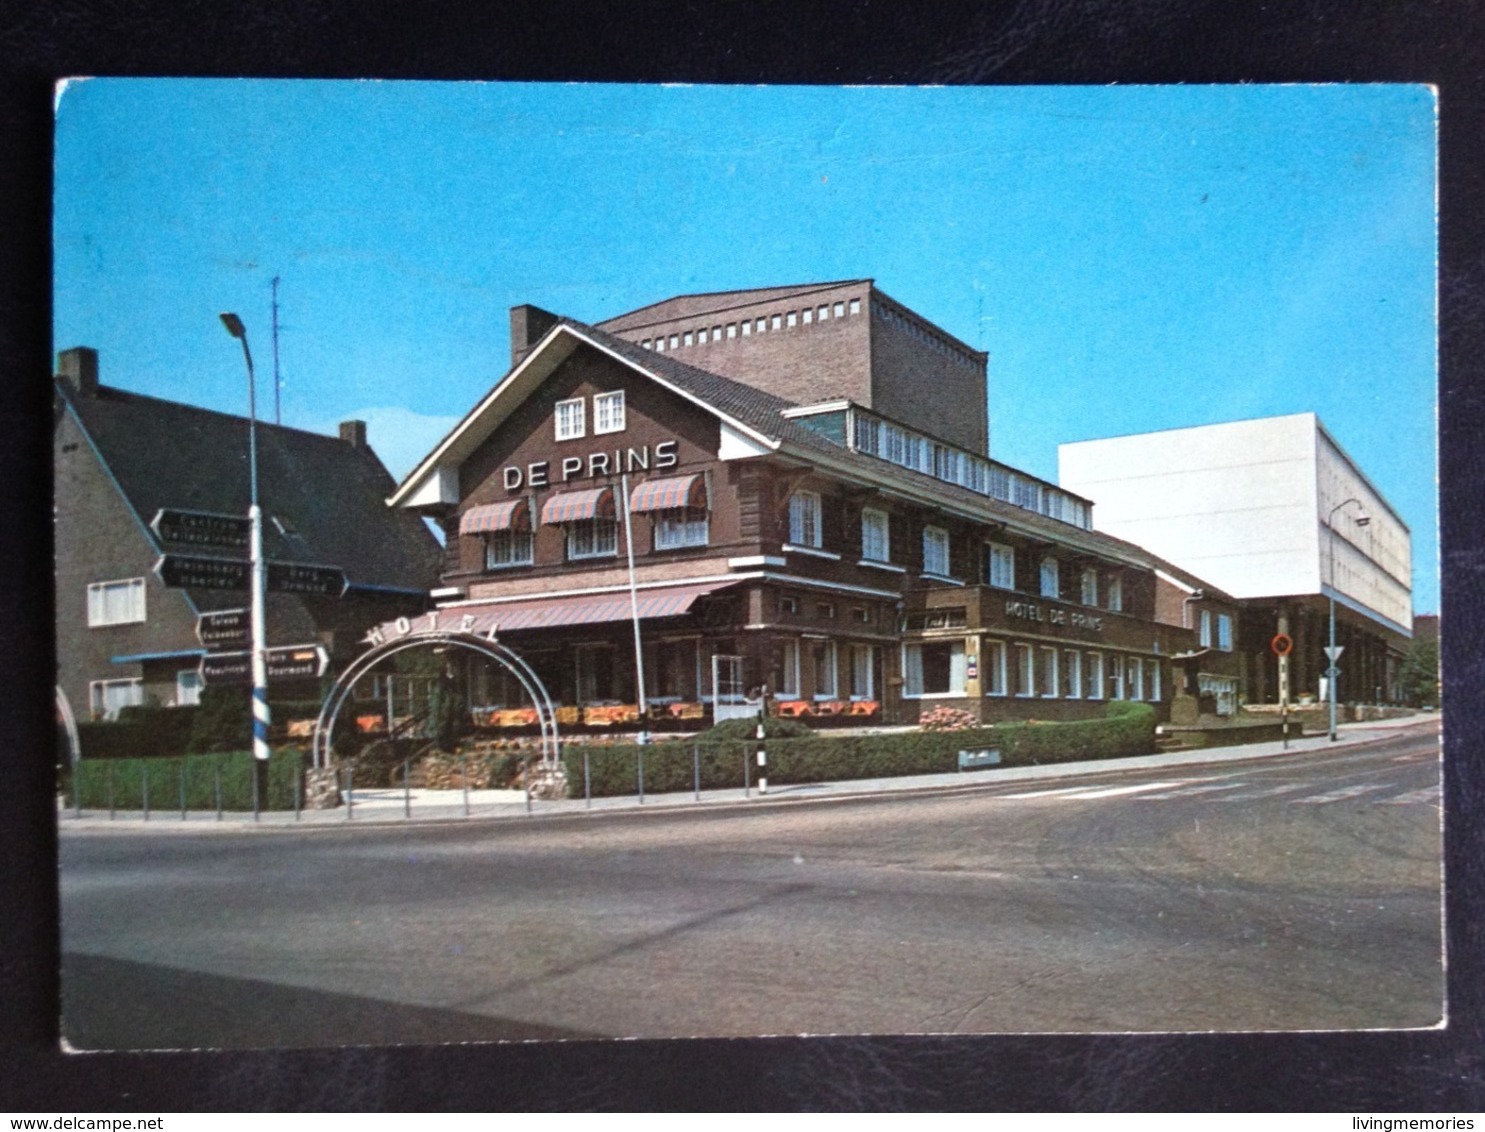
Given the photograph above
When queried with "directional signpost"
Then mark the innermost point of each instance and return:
(304, 578)
(203, 572)
(288, 663)
(225, 629)
(203, 528)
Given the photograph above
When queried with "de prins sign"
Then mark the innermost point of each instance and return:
(542, 473)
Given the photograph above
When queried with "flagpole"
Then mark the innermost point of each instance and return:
(639, 659)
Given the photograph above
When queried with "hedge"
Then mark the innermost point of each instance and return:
(139, 732)
(669, 766)
(94, 782)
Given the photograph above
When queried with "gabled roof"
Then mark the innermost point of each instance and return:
(716, 302)
(760, 417)
(322, 497)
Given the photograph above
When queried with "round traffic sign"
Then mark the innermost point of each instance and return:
(1281, 644)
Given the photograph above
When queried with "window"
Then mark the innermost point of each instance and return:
(776, 321)
(592, 538)
(689, 338)
(791, 318)
(1155, 681)
(716, 334)
(992, 676)
(840, 310)
(1051, 584)
(861, 678)
(608, 412)
(1048, 672)
(808, 315)
(1135, 674)
(677, 671)
(855, 306)
(822, 314)
(1116, 677)
(660, 345)
(594, 666)
(732, 330)
(1204, 636)
(1094, 681)
(187, 687)
(825, 611)
(789, 604)
(747, 327)
(1002, 566)
(675, 340)
(679, 528)
(116, 603)
(861, 614)
(1025, 670)
(875, 537)
(786, 669)
(933, 668)
(701, 337)
(507, 548)
(1224, 632)
(804, 518)
(822, 657)
(936, 551)
(106, 697)
(1072, 675)
(570, 419)
(1090, 586)
(1116, 594)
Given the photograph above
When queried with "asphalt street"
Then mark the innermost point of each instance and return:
(1297, 891)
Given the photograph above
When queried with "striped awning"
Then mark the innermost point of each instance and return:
(587, 609)
(668, 495)
(570, 506)
(512, 515)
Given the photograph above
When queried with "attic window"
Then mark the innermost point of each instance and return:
(608, 412)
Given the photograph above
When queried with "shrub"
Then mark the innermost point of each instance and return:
(126, 780)
(670, 766)
(140, 732)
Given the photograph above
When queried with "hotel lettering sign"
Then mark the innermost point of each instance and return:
(1051, 615)
(545, 473)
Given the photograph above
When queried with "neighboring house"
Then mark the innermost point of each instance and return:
(1276, 513)
(123, 637)
(849, 560)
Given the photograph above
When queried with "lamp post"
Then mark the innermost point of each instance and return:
(1332, 654)
(261, 716)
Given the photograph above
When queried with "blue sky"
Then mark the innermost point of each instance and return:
(1132, 258)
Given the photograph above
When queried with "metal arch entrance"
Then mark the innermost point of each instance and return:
(546, 714)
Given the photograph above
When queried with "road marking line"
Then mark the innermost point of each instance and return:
(1193, 791)
(1076, 792)
(1429, 795)
(1342, 794)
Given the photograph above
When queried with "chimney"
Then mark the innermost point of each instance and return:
(354, 434)
(79, 368)
(527, 325)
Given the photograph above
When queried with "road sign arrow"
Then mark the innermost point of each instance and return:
(200, 572)
(203, 528)
(225, 629)
(306, 578)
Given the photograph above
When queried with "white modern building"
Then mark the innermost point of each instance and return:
(1277, 514)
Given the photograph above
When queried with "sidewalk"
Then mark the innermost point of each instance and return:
(394, 806)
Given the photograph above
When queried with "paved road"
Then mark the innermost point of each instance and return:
(1292, 892)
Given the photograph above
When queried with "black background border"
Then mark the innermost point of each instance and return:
(866, 42)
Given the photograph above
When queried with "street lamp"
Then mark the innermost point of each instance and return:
(1332, 654)
(261, 716)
